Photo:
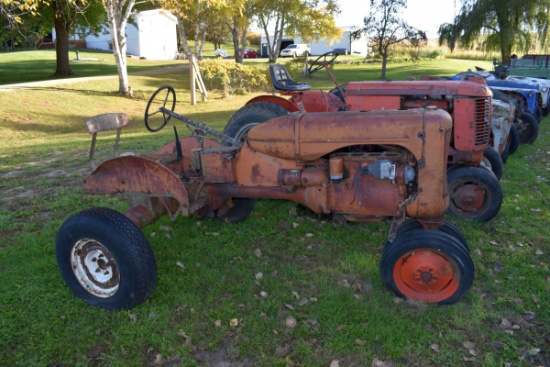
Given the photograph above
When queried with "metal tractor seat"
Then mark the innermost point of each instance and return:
(108, 121)
(282, 80)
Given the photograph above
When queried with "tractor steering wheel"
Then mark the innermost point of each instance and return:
(155, 123)
(317, 64)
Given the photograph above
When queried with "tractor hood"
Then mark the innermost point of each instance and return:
(309, 136)
(435, 88)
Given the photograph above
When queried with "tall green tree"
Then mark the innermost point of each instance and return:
(15, 19)
(63, 15)
(385, 28)
(310, 19)
(507, 25)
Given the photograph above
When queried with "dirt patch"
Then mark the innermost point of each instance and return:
(22, 186)
(220, 357)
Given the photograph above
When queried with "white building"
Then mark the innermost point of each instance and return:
(153, 37)
(351, 46)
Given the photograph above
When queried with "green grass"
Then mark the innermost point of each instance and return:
(43, 154)
(29, 66)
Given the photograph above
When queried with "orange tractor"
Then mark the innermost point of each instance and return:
(475, 193)
(350, 165)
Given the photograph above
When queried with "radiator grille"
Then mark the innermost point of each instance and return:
(483, 121)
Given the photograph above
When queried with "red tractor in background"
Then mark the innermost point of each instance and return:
(475, 192)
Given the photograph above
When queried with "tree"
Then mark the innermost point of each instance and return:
(239, 16)
(386, 28)
(217, 32)
(507, 25)
(63, 15)
(307, 18)
(12, 15)
(193, 21)
(118, 13)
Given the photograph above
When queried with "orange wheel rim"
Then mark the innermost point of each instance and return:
(426, 275)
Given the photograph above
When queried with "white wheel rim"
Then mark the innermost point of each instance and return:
(95, 268)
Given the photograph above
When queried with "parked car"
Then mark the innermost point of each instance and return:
(249, 53)
(220, 53)
(341, 51)
(295, 50)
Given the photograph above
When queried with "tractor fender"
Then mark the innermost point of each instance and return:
(137, 176)
(285, 103)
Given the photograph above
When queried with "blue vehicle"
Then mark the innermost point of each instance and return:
(525, 95)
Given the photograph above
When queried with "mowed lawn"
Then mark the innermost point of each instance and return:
(225, 291)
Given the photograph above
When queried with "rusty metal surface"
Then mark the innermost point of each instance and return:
(137, 176)
(472, 125)
(289, 158)
(307, 137)
(503, 118)
(434, 88)
(218, 164)
(318, 101)
(188, 145)
(296, 141)
(283, 102)
(108, 121)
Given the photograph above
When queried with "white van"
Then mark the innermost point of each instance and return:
(295, 50)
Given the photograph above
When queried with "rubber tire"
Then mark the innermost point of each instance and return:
(130, 249)
(546, 110)
(240, 209)
(537, 113)
(528, 128)
(513, 139)
(482, 179)
(413, 224)
(410, 244)
(505, 153)
(251, 115)
(493, 161)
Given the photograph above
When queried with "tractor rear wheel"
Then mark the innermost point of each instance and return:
(528, 128)
(474, 194)
(427, 265)
(235, 210)
(251, 115)
(105, 259)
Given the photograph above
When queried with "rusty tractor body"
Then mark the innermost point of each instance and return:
(352, 165)
(477, 195)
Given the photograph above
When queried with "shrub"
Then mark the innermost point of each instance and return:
(232, 77)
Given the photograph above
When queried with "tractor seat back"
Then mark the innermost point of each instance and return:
(108, 121)
(282, 80)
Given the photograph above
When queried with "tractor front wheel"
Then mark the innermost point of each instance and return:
(427, 265)
(492, 161)
(105, 259)
(475, 194)
(414, 224)
(513, 139)
(528, 128)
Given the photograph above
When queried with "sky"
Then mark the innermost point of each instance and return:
(426, 15)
